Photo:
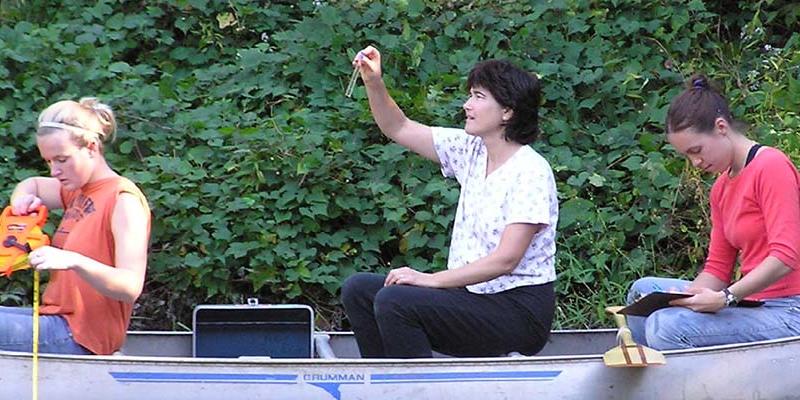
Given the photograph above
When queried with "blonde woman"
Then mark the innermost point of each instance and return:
(98, 256)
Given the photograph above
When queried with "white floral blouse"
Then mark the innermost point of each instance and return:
(522, 190)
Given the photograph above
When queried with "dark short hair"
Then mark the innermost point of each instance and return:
(697, 107)
(513, 88)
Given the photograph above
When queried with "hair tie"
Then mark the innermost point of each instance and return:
(99, 109)
(699, 83)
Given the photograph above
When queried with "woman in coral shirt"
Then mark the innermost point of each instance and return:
(755, 222)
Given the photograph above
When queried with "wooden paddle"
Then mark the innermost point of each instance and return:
(628, 353)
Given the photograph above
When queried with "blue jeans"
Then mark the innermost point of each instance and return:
(16, 332)
(682, 328)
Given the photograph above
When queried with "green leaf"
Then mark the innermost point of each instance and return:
(85, 38)
(574, 211)
(415, 8)
(597, 180)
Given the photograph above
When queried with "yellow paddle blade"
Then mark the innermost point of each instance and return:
(628, 353)
(633, 356)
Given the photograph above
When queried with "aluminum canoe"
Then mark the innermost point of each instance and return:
(159, 365)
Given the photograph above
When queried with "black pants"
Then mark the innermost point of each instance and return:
(401, 321)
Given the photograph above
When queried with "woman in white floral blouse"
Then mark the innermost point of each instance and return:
(497, 294)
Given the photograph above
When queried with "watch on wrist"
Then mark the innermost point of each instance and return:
(730, 298)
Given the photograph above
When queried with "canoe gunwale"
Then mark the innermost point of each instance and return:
(452, 361)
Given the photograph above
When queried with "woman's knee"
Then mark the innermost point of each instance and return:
(15, 330)
(359, 285)
(649, 284)
(640, 287)
(394, 299)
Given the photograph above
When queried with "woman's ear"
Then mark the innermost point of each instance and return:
(722, 126)
(93, 147)
(507, 114)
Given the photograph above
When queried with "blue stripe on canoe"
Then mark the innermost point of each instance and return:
(202, 377)
(176, 377)
(461, 380)
(465, 376)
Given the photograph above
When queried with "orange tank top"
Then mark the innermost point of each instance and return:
(97, 322)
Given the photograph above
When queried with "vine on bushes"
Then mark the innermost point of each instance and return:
(266, 181)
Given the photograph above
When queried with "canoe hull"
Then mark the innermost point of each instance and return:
(756, 371)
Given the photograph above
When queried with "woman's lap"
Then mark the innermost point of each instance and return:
(680, 327)
(455, 320)
(16, 332)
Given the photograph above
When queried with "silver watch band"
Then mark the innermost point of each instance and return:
(730, 298)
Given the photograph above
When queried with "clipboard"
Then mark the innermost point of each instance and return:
(658, 300)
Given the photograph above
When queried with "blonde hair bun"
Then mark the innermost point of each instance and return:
(87, 119)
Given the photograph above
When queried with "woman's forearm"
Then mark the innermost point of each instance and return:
(768, 272)
(481, 270)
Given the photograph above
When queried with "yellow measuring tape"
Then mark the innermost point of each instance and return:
(35, 367)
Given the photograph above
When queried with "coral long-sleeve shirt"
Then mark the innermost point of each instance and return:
(754, 215)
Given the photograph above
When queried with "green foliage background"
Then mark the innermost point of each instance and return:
(265, 181)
